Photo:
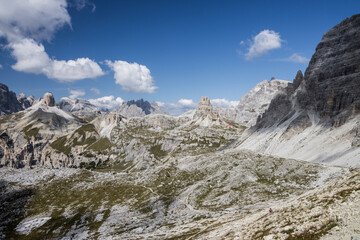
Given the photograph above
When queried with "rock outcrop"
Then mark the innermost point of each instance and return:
(205, 109)
(320, 109)
(49, 99)
(139, 108)
(8, 101)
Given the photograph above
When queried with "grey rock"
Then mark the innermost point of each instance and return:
(25, 102)
(205, 109)
(8, 101)
(139, 108)
(49, 99)
(79, 107)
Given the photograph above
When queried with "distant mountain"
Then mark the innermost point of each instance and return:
(257, 100)
(25, 102)
(139, 108)
(79, 107)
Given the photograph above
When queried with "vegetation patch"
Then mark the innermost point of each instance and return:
(157, 152)
(60, 145)
(30, 132)
(101, 145)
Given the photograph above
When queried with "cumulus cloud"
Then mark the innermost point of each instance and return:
(25, 23)
(132, 77)
(187, 102)
(298, 59)
(262, 43)
(34, 19)
(74, 94)
(179, 107)
(32, 58)
(107, 102)
(224, 103)
(95, 90)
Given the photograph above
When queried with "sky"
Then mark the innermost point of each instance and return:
(171, 52)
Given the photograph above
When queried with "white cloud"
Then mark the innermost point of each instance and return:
(187, 102)
(32, 58)
(1, 66)
(73, 70)
(25, 23)
(32, 18)
(265, 41)
(95, 90)
(179, 107)
(298, 59)
(223, 103)
(74, 94)
(107, 102)
(132, 77)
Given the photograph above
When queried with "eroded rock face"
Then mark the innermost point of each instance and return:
(298, 79)
(8, 101)
(205, 109)
(332, 79)
(49, 99)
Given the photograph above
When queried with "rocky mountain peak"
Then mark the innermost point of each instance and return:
(25, 102)
(257, 101)
(205, 109)
(49, 99)
(139, 108)
(298, 79)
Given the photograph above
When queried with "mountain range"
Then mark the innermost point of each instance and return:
(283, 164)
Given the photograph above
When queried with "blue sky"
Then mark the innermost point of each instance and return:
(182, 49)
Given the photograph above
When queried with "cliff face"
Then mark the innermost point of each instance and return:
(319, 109)
(8, 101)
(332, 79)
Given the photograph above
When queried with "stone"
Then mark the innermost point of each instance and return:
(8, 101)
(298, 79)
(49, 99)
(205, 109)
(139, 108)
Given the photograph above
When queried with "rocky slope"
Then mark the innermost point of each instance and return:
(183, 197)
(321, 109)
(139, 108)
